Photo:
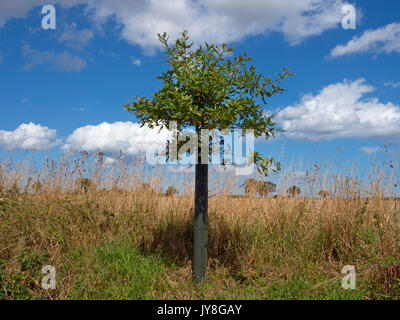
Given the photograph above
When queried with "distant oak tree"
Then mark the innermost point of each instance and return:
(293, 191)
(171, 191)
(324, 194)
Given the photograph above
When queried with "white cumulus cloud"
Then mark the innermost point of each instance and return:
(76, 39)
(341, 110)
(61, 61)
(392, 84)
(382, 40)
(136, 62)
(370, 150)
(29, 136)
(212, 20)
(69, 63)
(111, 138)
(219, 20)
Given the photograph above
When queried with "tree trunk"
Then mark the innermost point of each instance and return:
(200, 223)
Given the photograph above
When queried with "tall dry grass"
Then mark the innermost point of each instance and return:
(46, 217)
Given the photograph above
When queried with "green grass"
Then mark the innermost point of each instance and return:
(118, 270)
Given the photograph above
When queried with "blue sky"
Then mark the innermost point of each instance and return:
(343, 104)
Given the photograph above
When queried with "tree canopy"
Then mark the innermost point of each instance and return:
(206, 88)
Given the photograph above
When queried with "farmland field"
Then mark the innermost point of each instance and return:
(130, 242)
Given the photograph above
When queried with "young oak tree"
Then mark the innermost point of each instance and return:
(205, 89)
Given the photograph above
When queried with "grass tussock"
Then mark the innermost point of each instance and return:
(117, 235)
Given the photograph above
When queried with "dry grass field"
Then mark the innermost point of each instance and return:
(119, 239)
